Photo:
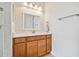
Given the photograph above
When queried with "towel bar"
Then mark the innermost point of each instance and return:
(68, 16)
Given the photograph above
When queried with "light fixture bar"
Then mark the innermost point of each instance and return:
(33, 6)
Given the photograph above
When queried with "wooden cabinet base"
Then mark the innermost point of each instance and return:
(32, 49)
(19, 50)
(32, 46)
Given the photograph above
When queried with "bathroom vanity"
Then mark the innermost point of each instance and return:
(32, 46)
(33, 38)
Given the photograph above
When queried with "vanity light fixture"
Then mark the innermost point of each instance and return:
(31, 5)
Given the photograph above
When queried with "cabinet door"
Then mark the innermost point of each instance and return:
(19, 50)
(48, 45)
(32, 49)
(41, 47)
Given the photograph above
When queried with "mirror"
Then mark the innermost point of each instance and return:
(31, 22)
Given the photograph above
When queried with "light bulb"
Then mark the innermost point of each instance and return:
(25, 4)
(36, 7)
(40, 8)
(31, 5)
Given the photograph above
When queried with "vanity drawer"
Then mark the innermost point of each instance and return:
(35, 38)
(19, 40)
(32, 43)
(48, 36)
(41, 37)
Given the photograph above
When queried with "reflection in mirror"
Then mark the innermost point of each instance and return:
(28, 21)
(31, 22)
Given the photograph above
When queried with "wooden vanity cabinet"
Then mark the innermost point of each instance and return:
(41, 47)
(49, 43)
(32, 46)
(19, 47)
(32, 49)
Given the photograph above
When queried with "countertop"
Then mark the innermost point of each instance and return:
(31, 34)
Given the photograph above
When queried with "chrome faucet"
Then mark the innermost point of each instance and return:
(47, 27)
